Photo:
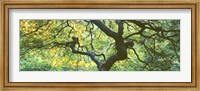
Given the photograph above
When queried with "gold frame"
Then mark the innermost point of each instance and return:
(193, 5)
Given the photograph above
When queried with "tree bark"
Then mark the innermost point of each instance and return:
(119, 42)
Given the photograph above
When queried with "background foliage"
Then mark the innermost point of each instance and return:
(43, 45)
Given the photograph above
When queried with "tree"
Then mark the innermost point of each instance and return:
(100, 44)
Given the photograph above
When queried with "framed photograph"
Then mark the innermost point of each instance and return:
(100, 45)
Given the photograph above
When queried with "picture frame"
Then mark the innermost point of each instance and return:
(110, 4)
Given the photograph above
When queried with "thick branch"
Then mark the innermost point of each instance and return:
(120, 55)
(105, 29)
(138, 23)
(90, 54)
(120, 27)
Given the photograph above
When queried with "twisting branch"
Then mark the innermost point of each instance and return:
(103, 28)
(72, 28)
(139, 32)
(172, 41)
(147, 49)
(138, 23)
(120, 27)
(146, 64)
(104, 57)
(91, 36)
(72, 45)
(137, 55)
(119, 41)
(120, 46)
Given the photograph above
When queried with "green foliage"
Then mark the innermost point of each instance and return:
(33, 64)
(42, 45)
